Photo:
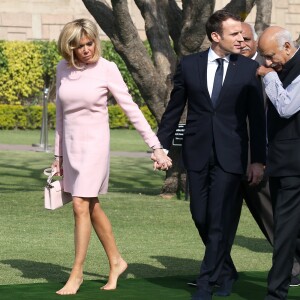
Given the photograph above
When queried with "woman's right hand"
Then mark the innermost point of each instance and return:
(57, 164)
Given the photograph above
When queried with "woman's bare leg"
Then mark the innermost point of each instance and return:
(82, 233)
(104, 232)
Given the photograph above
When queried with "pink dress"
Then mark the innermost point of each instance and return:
(82, 127)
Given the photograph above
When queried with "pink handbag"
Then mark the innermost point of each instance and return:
(54, 195)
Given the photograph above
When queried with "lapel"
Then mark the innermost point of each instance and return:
(202, 71)
(259, 59)
(229, 77)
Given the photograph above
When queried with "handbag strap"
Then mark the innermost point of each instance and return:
(50, 172)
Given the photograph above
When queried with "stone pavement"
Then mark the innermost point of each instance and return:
(8, 147)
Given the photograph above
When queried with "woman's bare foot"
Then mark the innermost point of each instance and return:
(115, 271)
(72, 286)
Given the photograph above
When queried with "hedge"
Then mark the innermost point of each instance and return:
(27, 67)
(30, 117)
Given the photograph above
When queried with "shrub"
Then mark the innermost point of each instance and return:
(30, 117)
(22, 77)
(26, 68)
(50, 59)
(148, 115)
(109, 53)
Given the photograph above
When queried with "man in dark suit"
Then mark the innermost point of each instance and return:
(215, 144)
(281, 77)
(258, 197)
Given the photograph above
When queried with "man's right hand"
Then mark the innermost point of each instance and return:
(161, 160)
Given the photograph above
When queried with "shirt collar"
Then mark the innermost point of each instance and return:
(254, 56)
(212, 56)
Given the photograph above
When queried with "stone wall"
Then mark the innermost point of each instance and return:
(43, 19)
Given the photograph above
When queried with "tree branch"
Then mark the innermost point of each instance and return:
(195, 15)
(153, 12)
(263, 15)
(103, 15)
(241, 8)
(173, 15)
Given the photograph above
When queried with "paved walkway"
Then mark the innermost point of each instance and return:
(8, 147)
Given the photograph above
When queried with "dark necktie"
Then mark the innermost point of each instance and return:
(217, 82)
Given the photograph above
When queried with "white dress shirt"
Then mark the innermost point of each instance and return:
(212, 66)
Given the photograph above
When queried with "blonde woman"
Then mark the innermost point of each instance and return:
(84, 80)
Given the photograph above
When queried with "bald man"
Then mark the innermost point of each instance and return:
(281, 77)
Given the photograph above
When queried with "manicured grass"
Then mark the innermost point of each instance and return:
(121, 139)
(23, 137)
(156, 236)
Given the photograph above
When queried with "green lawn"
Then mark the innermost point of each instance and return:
(156, 236)
(121, 139)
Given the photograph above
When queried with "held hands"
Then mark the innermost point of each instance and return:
(161, 160)
(255, 173)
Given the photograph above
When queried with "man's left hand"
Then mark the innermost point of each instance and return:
(255, 173)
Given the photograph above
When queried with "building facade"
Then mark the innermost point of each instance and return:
(28, 20)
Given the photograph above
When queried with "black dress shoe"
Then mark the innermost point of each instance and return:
(202, 295)
(225, 288)
(295, 281)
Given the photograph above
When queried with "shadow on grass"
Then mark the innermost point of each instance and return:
(134, 176)
(253, 244)
(53, 272)
(127, 175)
(162, 285)
(39, 270)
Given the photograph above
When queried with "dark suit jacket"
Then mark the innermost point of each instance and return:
(225, 125)
(259, 59)
(284, 134)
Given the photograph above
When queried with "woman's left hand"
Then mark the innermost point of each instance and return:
(161, 160)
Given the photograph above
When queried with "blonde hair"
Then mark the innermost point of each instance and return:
(69, 39)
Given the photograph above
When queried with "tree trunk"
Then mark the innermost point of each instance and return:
(175, 182)
(263, 15)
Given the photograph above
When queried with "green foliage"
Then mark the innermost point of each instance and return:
(3, 59)
(25, 117)
(148, 115)
(110, 54)
(11, 116)
(23, 77)
(30, 117)
(117, 118)
(50, 59)
(27, 67)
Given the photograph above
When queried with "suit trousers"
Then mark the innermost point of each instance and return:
(213, 194)
(285, 192)
(258, 200)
